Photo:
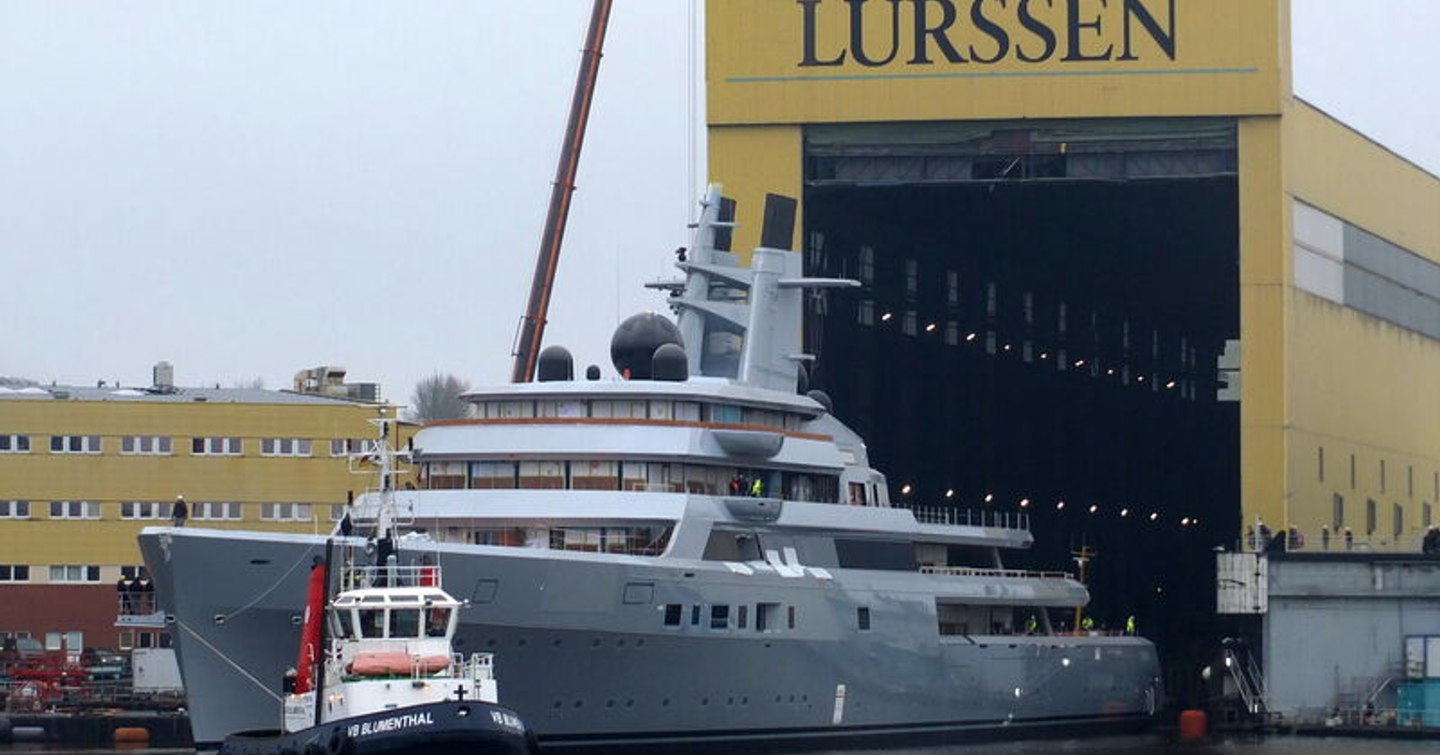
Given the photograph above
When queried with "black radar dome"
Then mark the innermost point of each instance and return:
(635, 342)
(555, 364)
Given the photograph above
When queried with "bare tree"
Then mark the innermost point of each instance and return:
(438, 397)
(16, 382)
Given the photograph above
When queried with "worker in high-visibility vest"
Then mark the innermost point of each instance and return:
(1130, 624)
(1087, 624)
(757, 488)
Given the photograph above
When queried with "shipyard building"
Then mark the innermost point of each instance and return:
(1114, 274)
(84, 468)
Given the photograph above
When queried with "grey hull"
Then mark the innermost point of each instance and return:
(583, 653)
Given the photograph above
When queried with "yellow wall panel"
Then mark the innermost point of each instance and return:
(752, 161)
(813, 61)
(1264, 249)
(1340, 171)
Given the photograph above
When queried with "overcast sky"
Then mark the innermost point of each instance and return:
(248, 189)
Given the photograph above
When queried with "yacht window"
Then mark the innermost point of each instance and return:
(437, 620)
(661, 410)
(857, 494)
(633, 475)
(767, 617)
(672, 614)
(571, 409)
(489, 475)
(405, 623)
(372, 623)
(862, 618)
(791, 614)
(719, 617)
(687, 411)
(725, 413)
(695, 615)
(593, 475)
(549, 475)
(602, 409)
(742, 615)
(517, 409)
(447, 475)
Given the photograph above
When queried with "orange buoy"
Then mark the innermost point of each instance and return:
(1193, 724)
(132, 735)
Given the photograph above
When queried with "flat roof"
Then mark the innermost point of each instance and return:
(177, 395)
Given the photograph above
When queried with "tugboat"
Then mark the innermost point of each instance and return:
(389, 681)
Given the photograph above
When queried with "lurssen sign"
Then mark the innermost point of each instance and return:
(917, 34)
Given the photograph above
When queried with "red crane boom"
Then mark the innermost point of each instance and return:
(532, 323)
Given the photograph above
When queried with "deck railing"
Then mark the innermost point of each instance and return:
(975, 571)
(1009, 520)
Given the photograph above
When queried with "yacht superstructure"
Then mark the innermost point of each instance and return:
(698, 552)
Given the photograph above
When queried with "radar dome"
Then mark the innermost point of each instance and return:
(635, 342)
(555, 364)
(670, 363)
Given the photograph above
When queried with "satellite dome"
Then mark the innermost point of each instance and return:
(635, 342)
(670, 363)
(822, 398)
(555, 364)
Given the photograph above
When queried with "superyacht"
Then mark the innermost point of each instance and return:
(696, 552)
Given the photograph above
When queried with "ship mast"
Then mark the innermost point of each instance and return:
(532, 323)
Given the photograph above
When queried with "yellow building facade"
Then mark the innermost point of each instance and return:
(83, 470)
(1338, 239)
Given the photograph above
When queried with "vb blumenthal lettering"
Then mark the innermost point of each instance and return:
(885, 33)
(393, 723)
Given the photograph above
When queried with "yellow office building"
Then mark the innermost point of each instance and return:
(83, 469)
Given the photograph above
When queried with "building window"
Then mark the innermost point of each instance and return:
(1370, 516)
(1399, 519)
(14, 509)
(790, 617)
(865, 315)
(347, 446)
(1320, 461)
(215, 511)
(74, 444)
(285, 512)
(952, 287)
(14, 444)
(952, 333)
(1337, 519)
(912, 278)
(144, 510)
(1382, 475)
(1352, 471)
(155, 445)
(216, 446)
(1425, 515)
(126, 639)
(1410, 481)
(862, 618)
(74, 573)
(742, 615)
(867, 265)
(908, 324)
(14, 573)
(74, 510)
(284, 446)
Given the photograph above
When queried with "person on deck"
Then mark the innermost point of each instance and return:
(179, 512)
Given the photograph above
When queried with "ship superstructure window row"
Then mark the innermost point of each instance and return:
(768, 616)
(14, 509)
(152, 445)
(14, 444)
(607, 474)
(639, 540)
(664, 410)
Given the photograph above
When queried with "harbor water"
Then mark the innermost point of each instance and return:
(1153, 744)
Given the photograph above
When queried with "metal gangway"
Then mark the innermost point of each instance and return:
(1249, 681)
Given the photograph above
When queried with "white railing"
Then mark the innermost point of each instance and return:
(424, 575)
(974, 571)
(1009, 520)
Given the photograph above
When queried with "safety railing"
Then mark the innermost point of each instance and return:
(975, 571)
(1010, 520)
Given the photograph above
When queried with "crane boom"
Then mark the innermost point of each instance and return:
(532, 323)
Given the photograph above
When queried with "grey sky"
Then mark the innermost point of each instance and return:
(247, 189)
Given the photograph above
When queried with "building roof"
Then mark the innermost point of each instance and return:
(175, 395)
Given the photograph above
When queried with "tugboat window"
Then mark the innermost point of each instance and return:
(405, 623)
(672, 614)
(372, 623)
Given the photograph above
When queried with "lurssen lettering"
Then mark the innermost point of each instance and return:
(878, 33)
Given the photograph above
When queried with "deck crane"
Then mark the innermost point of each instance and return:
(532, 323)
